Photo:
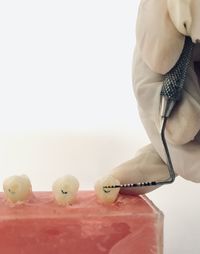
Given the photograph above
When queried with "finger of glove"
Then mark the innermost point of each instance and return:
(185, 117)
(144, 167)
(185, 158)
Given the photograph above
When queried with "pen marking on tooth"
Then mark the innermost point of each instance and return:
(106, 190)
(64, 192)
(12, 192)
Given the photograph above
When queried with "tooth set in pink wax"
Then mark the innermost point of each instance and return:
(40, 226)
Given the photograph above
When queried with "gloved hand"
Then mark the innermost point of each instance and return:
(160, 34)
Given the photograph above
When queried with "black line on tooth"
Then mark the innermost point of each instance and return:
(106, 190)
(64, 192)
(12, 192)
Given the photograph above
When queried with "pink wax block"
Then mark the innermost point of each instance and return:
(131, 225)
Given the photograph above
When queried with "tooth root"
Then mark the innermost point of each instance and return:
(107, 195)
(65, 190)
(17, 188)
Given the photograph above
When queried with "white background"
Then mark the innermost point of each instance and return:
(67, 106)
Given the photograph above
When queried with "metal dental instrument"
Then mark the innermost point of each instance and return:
(171, 93)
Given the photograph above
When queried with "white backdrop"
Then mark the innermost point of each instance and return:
(67, 106)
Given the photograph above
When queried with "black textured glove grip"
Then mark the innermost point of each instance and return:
(175, 78)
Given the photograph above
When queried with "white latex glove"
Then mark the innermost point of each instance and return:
(161, 29)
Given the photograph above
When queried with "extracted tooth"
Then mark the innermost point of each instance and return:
(17, 188)
(107, 195)
(65, 190)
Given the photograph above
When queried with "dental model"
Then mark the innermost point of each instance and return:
(17, 188)
(65, 190)
(107, 195)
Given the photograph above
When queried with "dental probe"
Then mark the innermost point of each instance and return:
(171, 93)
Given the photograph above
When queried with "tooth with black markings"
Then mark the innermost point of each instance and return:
(65, 190)
(107, 195)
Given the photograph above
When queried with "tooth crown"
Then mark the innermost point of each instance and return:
(65, 190)
(17, 188)
(107, 195)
